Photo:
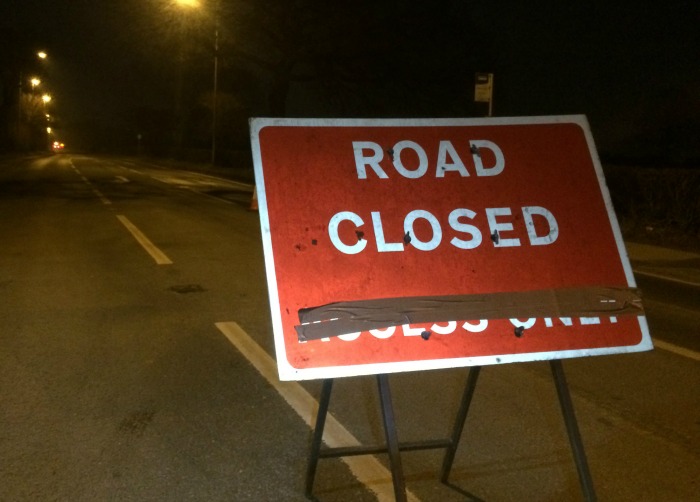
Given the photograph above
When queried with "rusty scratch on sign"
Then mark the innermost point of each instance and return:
(349, 317)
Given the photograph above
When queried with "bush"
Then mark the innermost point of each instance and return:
(657, 204)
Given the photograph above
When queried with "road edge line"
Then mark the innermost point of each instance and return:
(366, 468)
(156, 254)
(667, 278)
(675, 349)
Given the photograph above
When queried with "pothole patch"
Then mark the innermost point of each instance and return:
(137, 422)
(187, 288)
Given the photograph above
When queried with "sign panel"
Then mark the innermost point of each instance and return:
(483, 87)
(401, 245)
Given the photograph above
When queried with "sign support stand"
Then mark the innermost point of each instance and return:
(567, 410)
(461, 418)
(393, 447)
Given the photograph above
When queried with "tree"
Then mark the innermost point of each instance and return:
(311, 58)
(375, 57)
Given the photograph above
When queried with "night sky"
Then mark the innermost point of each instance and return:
(631, 67)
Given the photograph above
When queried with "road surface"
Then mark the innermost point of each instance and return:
(135, 364)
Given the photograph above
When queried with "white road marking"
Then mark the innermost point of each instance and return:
(199, 180)
(205, 194)
(681, 351)
(97, 193)
(666, 277)
(217, 181)
(104, 199)
(366, 468)
(156, 254)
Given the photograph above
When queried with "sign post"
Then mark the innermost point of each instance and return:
(408, 245)
(483, 90)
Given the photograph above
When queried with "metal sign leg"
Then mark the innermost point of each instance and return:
(459, 423)
(318, 435)
(392, 440)
(572, 430)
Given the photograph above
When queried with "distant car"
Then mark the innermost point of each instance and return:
(57, 146)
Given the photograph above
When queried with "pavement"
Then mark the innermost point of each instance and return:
(672, 264)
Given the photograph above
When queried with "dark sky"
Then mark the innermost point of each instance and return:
(622, 63)
(95, 64)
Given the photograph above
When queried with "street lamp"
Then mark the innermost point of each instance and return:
(197, 4)
(20, 90)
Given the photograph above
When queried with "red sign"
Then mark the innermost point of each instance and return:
(370, 225)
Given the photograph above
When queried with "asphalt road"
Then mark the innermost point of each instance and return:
(124, 284)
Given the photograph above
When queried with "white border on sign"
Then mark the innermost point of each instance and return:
(288, 372)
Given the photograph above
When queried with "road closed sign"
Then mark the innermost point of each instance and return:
(403, 245)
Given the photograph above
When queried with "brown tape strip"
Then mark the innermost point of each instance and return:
(349, 317)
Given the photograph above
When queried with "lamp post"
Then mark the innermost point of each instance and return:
(197, 4)
(20, 90)
(216, 81)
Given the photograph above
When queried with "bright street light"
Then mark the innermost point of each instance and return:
(35, 81)
(46, 98)
(41, 54)
(188, 3)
